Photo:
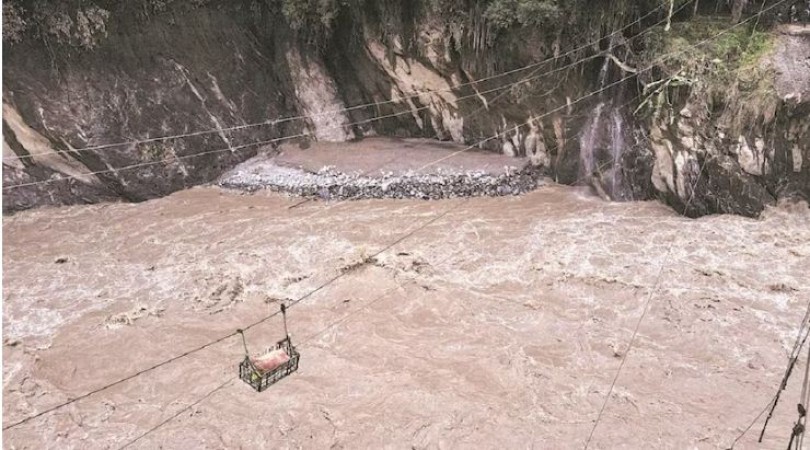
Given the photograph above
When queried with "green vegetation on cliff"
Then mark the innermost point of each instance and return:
(707, 47)
(724, 67)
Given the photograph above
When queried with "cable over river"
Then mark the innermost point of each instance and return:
(500, 324)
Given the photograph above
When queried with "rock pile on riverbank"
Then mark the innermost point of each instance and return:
(385, 168)
(329, 183)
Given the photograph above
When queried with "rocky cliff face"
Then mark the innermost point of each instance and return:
(741, 145)
(143, 73)
(236, 76)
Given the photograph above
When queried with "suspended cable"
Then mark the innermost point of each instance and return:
(70, 401)
(303, 343)
(801, 337)
(180, 411)
(783, 384)
(799, 429)
(230, 380)
(410, 95)
(227, 336)
(233, 149)
(660, 270)
(332, 205)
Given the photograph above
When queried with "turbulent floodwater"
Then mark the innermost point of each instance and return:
(499, 324)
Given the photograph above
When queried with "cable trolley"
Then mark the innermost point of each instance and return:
(279, 361)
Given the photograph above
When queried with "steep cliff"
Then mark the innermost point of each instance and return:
(729, 124)
(234, 77)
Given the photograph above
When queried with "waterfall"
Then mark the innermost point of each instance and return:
(618, 142)
(603, 140)
(587, 142)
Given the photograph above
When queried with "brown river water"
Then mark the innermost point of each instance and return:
(500, 324)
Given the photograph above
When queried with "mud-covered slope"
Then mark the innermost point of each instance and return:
(93, 73)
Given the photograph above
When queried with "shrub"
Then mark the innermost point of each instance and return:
(310, 14)
(507, 13)
(14, 24)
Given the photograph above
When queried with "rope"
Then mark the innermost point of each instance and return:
(227, 382)
(791, 361)
(341, 274)
(803, 402)
(222, 338)
(797, 433)
(232, 149)
(531, 75)
(66, 403)
(181, 411)
(411, 94)
(788, 372)
(231, 379)
(115, 383)
(751, 425)
(319, 212)
(656, 288)
(663, 262)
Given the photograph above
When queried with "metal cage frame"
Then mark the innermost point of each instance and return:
(261, 381)
(255, 377)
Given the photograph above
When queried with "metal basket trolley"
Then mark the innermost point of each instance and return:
(261, 380)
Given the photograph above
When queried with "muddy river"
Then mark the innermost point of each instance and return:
(492, 322)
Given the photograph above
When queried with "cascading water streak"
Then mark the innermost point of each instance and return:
(603, 141)
(587, 141)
